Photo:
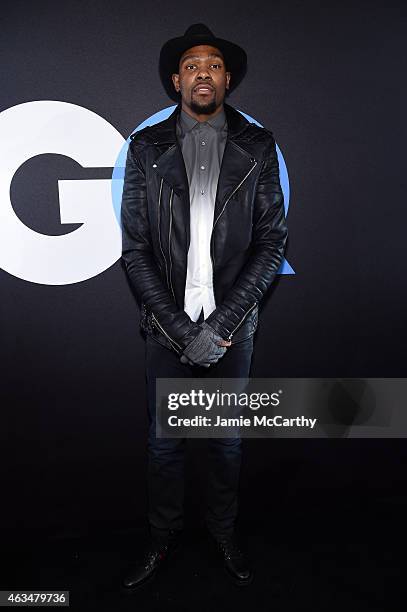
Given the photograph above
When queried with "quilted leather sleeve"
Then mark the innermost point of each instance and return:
(137, 253)
(268, 243)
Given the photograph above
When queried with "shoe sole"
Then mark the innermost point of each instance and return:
(236, 581)
(130, 590)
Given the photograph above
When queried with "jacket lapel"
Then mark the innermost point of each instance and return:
(236, 165)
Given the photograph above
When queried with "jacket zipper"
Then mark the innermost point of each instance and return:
(234, 191)
(216, 220)
(169, 243)
(241, 321)
(171, 340)
(159, 231)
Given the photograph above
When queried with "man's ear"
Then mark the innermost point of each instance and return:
(228, 75)
(175, 80)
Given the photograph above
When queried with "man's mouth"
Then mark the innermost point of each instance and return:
(203, 89)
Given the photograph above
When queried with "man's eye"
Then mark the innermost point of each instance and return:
(193, 66)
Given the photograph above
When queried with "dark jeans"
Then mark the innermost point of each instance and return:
(166, 455)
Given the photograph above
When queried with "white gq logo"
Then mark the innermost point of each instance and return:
(45, 126)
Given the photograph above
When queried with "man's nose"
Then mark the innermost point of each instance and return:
(203, 74)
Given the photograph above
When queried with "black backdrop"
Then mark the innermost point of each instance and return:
(328, 79)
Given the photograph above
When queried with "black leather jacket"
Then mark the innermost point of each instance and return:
(248, 236)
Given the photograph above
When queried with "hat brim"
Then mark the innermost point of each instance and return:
(235, 59)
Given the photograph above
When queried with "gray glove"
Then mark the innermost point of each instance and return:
(204, 350)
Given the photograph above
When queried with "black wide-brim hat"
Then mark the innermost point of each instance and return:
(199, 34)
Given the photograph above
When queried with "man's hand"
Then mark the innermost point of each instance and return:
(206, 348)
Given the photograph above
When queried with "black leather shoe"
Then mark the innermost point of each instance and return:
(154, 557)
(234, 561)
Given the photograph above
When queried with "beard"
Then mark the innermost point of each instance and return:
(203, 108)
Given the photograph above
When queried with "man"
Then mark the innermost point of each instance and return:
(203, 237)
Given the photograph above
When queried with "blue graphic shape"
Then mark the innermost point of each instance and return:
(120, 165)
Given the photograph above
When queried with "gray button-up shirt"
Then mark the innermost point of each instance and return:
(202, 145)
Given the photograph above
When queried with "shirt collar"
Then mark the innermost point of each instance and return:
(187, 122)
